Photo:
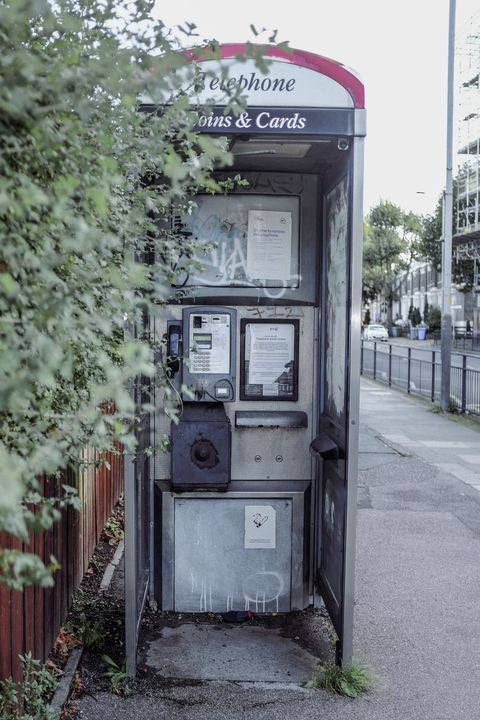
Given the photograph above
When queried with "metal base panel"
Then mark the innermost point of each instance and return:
(244, 549)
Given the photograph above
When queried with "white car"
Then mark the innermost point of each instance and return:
(375, 332)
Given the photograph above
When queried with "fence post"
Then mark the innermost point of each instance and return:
(433, 375)
(361, 356)
(390, 348)
(375, 360)
(464, 383)
(409, 356)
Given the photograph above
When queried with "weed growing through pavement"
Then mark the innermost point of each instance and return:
(113, 531)
(117, 676)
(351, 681)
(89, 622)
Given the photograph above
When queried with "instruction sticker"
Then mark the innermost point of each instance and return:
(260, 527)
(269, 245)
(270, 354)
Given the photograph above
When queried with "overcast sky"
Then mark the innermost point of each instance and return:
(400, 52)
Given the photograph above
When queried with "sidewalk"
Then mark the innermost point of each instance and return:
(417, 592)
(409, 426)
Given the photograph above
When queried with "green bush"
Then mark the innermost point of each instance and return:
(86, 187)
(28, 699)
(434, 320)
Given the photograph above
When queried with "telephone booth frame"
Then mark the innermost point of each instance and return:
(301, 138)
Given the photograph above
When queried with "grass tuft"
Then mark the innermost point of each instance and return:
(350, 682)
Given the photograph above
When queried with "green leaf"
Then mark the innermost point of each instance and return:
(346, 688)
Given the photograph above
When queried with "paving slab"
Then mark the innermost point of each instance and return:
(440, 439)
(222, 652)
(373, 450)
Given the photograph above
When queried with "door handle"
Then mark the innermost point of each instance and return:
(324, 448)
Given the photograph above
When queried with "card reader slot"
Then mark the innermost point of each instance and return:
(271, 419)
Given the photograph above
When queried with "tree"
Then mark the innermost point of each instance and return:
(86, 187)
(416, 317)
(434, 318)
(391, 238)
(431, 245)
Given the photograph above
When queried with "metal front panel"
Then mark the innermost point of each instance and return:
(278, 453)
(264, 453)
(211, 564)
(215, 572)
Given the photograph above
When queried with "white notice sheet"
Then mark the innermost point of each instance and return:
(270, 347)
(269, 245)
(260, 527)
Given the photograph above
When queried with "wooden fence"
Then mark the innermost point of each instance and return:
(30, 620)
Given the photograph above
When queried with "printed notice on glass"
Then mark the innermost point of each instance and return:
(270, 354)
(260, 527)
(269, 245)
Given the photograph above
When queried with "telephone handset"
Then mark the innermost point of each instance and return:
(208, 335)
(174, 340)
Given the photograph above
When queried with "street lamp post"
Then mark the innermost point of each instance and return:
(446, 347)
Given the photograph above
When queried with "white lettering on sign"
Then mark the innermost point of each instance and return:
(269, 120)
(263, 121)
(214, 121)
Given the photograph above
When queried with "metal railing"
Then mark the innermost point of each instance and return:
(419, 372)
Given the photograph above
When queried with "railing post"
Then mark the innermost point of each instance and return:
(409, 356)
(464, 383)
(433, 375)
(374, 360)
(390, 366)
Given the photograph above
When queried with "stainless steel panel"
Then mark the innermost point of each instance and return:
(205, 564)
(268, 454)
(215, 572)
(279, 453)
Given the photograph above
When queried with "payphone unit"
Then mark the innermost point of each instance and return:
(201, 353)
(201, 360)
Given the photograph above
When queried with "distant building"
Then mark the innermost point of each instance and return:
(420, 285)
(466, 242)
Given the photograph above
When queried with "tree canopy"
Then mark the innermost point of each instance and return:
(393, 239)
(431, 246)
(391, 243)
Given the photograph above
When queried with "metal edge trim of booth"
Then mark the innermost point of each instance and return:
(360, 122)
(354, 403)
(130, 566)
